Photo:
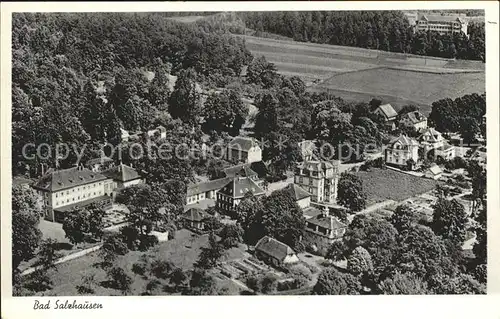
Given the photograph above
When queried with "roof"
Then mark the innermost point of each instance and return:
(238, 187)
(75, 206)
(99, 160)
(414, 117)
(404, 140)
(316, 166)
(388, 110)
(215, 184)
(297, 192)
(240, 170)
(243, 143)
(19, 181)
(310, 212)
(122, 173)
(441, 18)
(328, 222)
(195, 214)
(430, 131)
(58, 180)
(273, 247)
(435, 169)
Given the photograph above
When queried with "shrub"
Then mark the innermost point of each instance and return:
(161, 268)
(139, 268)
(115, 244)
(147, 241)
(130, 236)
(152, 287)
(119, 279)
(269, 283)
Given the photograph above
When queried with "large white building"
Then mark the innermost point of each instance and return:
(400, 150)
(67, 189)
(319, 178)
(435, 145)
(444, 24)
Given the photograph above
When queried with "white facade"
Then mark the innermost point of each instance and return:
(441, 24)
(319, 179)
(304, 202)
(401, 150)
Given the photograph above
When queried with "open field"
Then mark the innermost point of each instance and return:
(358, 74)
(182, 251)
(386, 184)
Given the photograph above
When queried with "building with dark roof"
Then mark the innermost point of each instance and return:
(231, 194)
(194, 219)
(274, 252)
(322, 230)
(414, 119)
(301, 197)
(388, 113)
(60, 188)
(124, 176)
(205, 190)
(243, 150)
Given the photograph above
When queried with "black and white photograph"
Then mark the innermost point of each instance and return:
(224, 153)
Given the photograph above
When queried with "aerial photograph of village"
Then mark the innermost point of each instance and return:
(248, 153)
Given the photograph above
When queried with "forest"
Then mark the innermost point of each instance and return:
(381, 30)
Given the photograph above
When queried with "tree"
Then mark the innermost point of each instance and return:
(25, 218)
(359, 262)
(231, 235)
(202, 284)
(403, 217)
(333, 282)
(377, 236)
(403, 284)
(47, 255)
(262, 72)
(337, 251)
(210, 256)
(119, 279)
(185, 100)
(461, 284)
(84, 224)
(350, 192)
(450, 220)
(480, 246)
(224, 112)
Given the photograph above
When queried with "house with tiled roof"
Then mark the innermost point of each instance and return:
(401, 151)
(274, 252)
(124, 176)
(319, 178)
(76, 186)
(414, 119)
(99, 164)
(243, 150)
(388, 113)
(231, 194)
(194, 219)
(301, 197)
(322, 230)
(205, 190)
(435, 145)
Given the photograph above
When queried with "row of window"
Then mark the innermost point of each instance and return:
(89, 195)
(78, 189)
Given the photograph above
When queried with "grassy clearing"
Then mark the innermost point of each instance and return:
(357, 74)
(385, 184)
(182, 251)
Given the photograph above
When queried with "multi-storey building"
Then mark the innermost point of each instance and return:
(444, 24)
(231, 194)
(68, 189)
(414, 119)
(434, 145)
(319, 178)
(401, 150)
(321, 231)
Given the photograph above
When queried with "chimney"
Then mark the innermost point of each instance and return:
(325, 212)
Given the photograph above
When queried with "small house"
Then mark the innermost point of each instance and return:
(389, 115)
(321, 231)
(415, 120)
(434, 172)
(274, 252)
(194, 219)
(244, 150)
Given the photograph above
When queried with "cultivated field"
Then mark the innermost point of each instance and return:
(385, 184)
(361, 74)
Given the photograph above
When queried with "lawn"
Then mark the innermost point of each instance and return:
(385, 184)
(358, 74)
(182, 251)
